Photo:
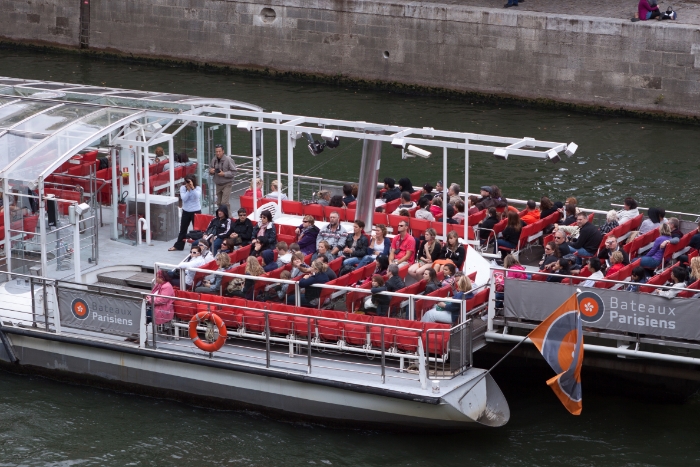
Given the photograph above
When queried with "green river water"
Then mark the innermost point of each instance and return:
(47, 423)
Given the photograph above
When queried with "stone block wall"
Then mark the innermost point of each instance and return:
(641, 66)
(54, 22)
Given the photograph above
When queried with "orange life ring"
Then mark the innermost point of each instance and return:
(207, 346)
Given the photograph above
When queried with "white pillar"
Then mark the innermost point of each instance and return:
(290, 165)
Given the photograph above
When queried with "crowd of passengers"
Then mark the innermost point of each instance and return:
(575, 246)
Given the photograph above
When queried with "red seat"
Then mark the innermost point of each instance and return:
(352, 205)
(418, 226)
(350, 215)
(330, 331)
(407, 340)
(659, 279)
(476, 218)
(336, 264)
(375, 331)
(201, 221)
(415, 196)
(301, 321)
(280, 324)
(185, 310)
(424, 305)
(315, 210)
(379, 218)
(392, 205)
(247, 203)
(394, 222)
(353, 300)
(292, 207)
(357, 334)
(232, 315)
(636, 222)
(439, 342)
(327, 210)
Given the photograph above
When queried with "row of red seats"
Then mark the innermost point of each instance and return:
(357, 330)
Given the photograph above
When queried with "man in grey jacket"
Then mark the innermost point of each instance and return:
(223, 169)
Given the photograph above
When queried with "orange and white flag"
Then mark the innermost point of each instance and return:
(560, 340)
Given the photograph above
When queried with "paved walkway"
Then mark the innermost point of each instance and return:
(688, 11)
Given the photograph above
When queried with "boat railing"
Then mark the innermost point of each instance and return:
(695, 217)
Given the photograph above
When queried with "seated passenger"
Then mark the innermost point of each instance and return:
(392, 192)
(324, 198)
(333, 233)
(431, 281)
(459, 212)
(453, 250)
(284, 257)
(428, 251)
(453, 193)
(560, 240)
(473, 199)
(336, 202)
(638, 277)
(486, 200)
(511, 234)
(206, 253)
(487, 225)
(275, 189)
(616, 263)
(323, 250)
(406, 185)
(611, 246)
(628, 212)
(393, 280)
(264, 236)
(589, 237)
(211, 284)
(449, 313)
(675, 226)
(547, 208)
(242, 228)
(258, 191)
(427, 191)
(610, 222)
(310, 296)
(378, 303)
(347, 194)
(515, 269)
(551, 256)
(219, 228)
(229, 246)
(532, 214)
(448, 274)
(356, 245)
(379, 245)
(252, 268)
(596, 273)
(694, 270)
(298, 268)
(382, 262)
(645, 11)
(307, 233)
(655, 217)
(450, 212)
(678, 277)
(424, 210)
(192, 261)
(497, 197)
(653, 258)
(403, 246)
(695, 239)
(561, 268)
(436, 207)
(406, 203)
(570, 214)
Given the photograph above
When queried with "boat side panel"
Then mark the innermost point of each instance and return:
(304, 399)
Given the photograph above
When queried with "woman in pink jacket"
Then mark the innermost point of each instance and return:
(163, 300)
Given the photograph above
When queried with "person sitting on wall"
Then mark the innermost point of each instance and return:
(645, 11)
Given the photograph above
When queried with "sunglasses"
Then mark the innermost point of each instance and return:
(194, 252)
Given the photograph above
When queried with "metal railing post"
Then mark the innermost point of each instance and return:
(46, 305)
(308, 343)
(267, 339)
(470, 343)
(31, 288)
(383, 369)
(153, 320)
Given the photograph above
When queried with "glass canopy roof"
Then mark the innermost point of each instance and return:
(42, 123)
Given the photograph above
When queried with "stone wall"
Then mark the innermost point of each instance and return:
(43, 21)
(645, 66)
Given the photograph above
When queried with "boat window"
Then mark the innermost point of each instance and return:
(54, 119)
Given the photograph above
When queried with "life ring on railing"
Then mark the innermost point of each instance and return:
(208, 346)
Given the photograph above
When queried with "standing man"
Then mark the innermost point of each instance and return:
(223, 169)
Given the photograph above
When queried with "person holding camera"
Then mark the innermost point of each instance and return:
(222, 168)
(191, 196)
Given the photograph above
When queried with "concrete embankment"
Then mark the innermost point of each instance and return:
(590, 61)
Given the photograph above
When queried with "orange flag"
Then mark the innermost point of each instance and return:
(560, 340)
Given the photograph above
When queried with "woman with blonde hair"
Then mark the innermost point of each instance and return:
(449, 312)
(252, 268)
(453, 251)
(307, 233)
(249, 191)
(616, 263)
(212, 283)
(275, 188)
(428, 252)
(694, 269)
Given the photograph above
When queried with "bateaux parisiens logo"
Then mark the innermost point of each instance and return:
(591, 306)
(79, 308)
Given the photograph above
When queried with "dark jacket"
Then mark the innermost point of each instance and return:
(392, 194)
(269, 238)
(511, 235)
(458, 256)
(420, 254)
(431, 287)
(361, 248)
(604, 255)
(487, 223)
(382, 301)
(589, 238)
(548, 212)
(243, 229)
(221, 228)
(313, 292)
(307, 244)
(394, 284)
(348, 199)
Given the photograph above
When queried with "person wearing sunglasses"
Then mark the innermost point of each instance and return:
(307, 233)
(242, 228)
(192, 261)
